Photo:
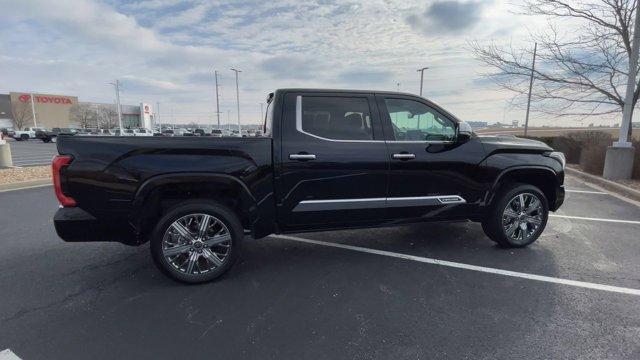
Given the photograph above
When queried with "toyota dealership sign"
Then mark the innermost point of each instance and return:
(46, 99)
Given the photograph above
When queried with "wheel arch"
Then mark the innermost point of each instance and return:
(159, 193)
(544, 178)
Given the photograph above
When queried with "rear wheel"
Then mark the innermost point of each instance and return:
(24, 137)
(518, 217)
(196, 242)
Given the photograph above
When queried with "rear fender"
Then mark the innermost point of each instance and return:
(158, 193)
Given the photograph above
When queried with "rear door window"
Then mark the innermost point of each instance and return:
(335, 118)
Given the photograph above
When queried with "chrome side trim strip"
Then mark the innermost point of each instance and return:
(339, 204)
(373, 203)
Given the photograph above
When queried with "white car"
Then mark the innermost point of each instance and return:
(27, 133)
(142, 132)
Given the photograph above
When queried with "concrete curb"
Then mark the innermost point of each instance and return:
(606, 184)
(25, 184)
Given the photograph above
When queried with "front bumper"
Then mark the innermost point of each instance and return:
(76, 225)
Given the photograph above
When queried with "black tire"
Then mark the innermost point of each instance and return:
(493, 223)
(46, 140)
(24, 137)
(220, 213)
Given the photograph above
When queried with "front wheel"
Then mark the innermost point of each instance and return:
(518, 217)
(196, 242)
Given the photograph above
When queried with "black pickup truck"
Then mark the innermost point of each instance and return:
(328, 159)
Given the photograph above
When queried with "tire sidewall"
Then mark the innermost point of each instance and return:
(222, 213)
(494, 228)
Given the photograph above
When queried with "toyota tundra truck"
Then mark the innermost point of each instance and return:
(326, 160)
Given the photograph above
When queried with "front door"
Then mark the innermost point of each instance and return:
(334, 161)
(431, 174)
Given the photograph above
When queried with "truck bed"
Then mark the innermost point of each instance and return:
(107, 174)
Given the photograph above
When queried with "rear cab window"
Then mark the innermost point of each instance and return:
(334, 117)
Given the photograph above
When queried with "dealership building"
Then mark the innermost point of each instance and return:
(52, 110)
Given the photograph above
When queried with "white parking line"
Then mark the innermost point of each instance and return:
(458, 265)
(26, 187)
(594, 219)
(7, 354)
(586, 192)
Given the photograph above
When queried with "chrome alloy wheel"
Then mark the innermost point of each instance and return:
(196, 244)
(522, 217)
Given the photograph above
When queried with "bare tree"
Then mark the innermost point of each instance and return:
(579, 73)
(107, 117)
(22, 115)
(83, 114)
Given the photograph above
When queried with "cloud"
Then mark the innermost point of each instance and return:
(365, 77)
(291, 67)
(166, 50)
(448, 17)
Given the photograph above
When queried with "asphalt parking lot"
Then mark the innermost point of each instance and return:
(32, 152)
(417, 292)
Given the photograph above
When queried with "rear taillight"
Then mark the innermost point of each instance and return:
(58, 163)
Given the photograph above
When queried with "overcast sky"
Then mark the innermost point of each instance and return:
(166, 50)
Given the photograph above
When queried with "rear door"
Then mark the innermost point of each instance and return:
(334, 161)
(432, 175)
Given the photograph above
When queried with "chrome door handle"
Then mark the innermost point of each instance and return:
(404, 156)
(302, 157)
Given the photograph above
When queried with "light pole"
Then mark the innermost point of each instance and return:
(238, 100)
(215, 73)
(261, 114)
(116, 85)
(33, 111)
(398, 86)
(618, 163)
(158, 117)
(533, 67)
(422, 77)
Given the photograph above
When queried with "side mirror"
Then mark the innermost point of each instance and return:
(464, 132)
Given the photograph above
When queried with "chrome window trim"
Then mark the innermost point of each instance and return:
(372, 203)
(299, 129)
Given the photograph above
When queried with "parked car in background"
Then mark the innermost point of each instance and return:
(125, 132)
(331, 159)
(216, 133)
(142, 132)
(168, 132)
(52, 136)
(27, 133)
(199, 132)
(6, 133)
(183, 132)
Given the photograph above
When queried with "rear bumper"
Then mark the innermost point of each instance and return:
(76, 225)
(559, 199)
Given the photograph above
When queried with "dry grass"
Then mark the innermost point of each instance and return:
(14, 175)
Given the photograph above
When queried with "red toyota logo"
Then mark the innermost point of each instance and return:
(24, 98)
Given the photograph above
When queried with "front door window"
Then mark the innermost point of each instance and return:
(414, 121)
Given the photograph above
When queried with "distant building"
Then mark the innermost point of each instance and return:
(6, 118)
(514, 123)
(55, 111)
